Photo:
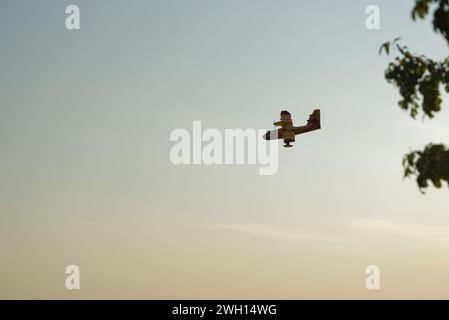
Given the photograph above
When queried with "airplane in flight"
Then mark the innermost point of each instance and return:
(287, 131)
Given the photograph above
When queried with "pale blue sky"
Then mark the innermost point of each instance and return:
(86, 177)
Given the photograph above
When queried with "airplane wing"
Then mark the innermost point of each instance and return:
(286, 120)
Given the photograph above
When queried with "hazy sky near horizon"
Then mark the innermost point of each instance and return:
(86, 178)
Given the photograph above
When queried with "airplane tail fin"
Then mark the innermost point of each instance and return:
(315, 119)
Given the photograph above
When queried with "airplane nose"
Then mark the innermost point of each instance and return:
(266, 136)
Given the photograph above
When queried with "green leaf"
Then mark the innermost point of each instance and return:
(386, 47)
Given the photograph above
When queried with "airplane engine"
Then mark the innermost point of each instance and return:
(289, 136)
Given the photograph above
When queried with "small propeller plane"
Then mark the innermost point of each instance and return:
(287, 131)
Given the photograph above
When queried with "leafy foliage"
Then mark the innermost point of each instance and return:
(419, 80)
(431, 164)
(440, 15)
